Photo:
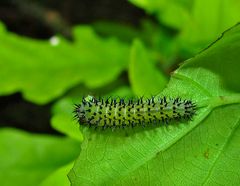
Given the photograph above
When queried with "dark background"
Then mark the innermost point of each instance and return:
(44, 18)
(41, 19)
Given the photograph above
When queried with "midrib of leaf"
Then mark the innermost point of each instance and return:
(211, 101)
(222, 150)
(224, 100)
(177, 75)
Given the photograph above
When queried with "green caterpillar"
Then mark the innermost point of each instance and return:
(113, 113)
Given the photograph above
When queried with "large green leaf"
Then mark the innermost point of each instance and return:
(202, 151)
(44, 70)
(27, 159)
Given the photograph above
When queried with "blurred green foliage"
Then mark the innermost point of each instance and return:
(28, 159)
(107, 58)
(144, 77)
(43, 70)
(198, 22)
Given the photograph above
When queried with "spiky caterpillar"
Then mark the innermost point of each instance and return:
(112, 113)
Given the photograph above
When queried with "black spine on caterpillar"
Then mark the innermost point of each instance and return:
(112, 113)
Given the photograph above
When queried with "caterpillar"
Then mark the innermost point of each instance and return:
(115, 113)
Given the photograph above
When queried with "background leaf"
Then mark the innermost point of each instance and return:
(145, 79)
(27, 159)
(164, 10)
(44, 70)
(199, 22)
(59, 177)
(63, 119)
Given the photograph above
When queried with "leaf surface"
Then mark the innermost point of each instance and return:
(202, 151)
